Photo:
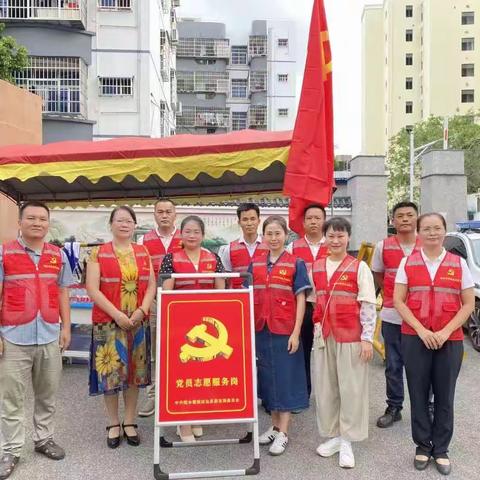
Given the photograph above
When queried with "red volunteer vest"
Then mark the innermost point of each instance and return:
(157, 251)
(111, 278)
(301, 249)
(275, 302)
(240, 259)
(435, 303)
(28, 289)
(206, 264)
(337, 306)
(392, 256)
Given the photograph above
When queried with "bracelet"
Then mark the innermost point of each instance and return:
(142, 310)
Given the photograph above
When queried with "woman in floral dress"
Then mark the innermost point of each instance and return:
(121, 283)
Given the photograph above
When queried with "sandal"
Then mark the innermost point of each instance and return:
(51, 450)
(113, 442)
(7, 465)
(133, 440)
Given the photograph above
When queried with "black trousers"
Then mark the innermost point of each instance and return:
(307, 342)
(440, 369)
(392, 338)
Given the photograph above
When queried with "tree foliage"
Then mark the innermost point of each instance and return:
(464, 134)
(13, 57)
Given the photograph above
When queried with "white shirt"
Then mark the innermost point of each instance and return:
(432, 267)
(224, 251)
(388, 314)
(165, 239)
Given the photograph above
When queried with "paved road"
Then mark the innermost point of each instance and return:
(386, 455)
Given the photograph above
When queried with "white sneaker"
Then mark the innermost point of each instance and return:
(346, 459)
(268, 437)
(197, 430)
(279, 444)
(148, 408)
(330, 447)
(185, 438)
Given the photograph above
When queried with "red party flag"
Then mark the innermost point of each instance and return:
(309, 174)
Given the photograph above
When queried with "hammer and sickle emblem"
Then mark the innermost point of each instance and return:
(213, 346)
(53, 261)
(283, 272)
(343, 278)
(450, 272)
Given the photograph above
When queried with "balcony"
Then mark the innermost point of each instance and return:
(202, 82)
(165, 54)
(204, 48)
(60, 81)
(205, 117)
(257, 46)
(257, 116)
(258, 82)
(62, 12)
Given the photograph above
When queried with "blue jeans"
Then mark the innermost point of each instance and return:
(392, 338)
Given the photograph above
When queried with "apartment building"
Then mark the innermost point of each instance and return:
(419, 58)
(224, 87)
(103, 67)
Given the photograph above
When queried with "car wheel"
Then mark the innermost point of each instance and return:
(474, 327)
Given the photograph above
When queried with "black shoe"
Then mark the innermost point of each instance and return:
(421, 464)
(391, 415)
(115, 441)
(7, 465)
(133, 440)
(443, 469)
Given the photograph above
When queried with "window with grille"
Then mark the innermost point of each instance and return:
(283, 77)
(468, 96)
(282, 42)
(409, 35)
(468, 18)
(468, 70)
(239, 120)
(60, 81)
(409, 11)
(408, 107)
(239, 55)
(409, 83)
(468, 44)
(257, 45)
(283, 112)
(239, 88)
(115, 4)
(115, 86)
(409, 59)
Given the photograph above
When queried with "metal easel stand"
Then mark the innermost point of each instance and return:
(252, 433)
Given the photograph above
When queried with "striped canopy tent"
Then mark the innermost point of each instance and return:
(138, 169)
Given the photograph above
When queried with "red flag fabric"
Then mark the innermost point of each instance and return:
(309, 174)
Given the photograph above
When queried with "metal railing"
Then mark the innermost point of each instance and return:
(44, 10)
(257, 45)
(258, 82)
(202, 82)
(203, 48)
(115, 4)
(204, 117)
(257, 116)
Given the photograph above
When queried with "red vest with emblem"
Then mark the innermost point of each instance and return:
(240, 259)
(337, 308)
(301, 249)
(392, 256)
(435, 303)
(29, 289)
(157, 251)
(206, 264)
(275, 302)
(111, 278)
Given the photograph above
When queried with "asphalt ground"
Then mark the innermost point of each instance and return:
(386, 455)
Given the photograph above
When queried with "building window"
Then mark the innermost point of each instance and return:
(239, 88)
(409, 83)
(282, 42)
(60, 81)
(409, 11)
(408, 107)
(239, 55)
(409, 35)
(409, 59)
(468, 18)
(468, 70)
(283, 112)
(115, 86)
(468, 96)
(468, 44)
(115, 4)
(283, 77)
(239, 120)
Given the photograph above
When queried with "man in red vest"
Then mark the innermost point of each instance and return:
(309, 248)
(387, 257)
(34, 281)
(163, 239)
(237, 255)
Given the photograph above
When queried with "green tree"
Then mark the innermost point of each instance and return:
(464, 134)
(13, 57)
